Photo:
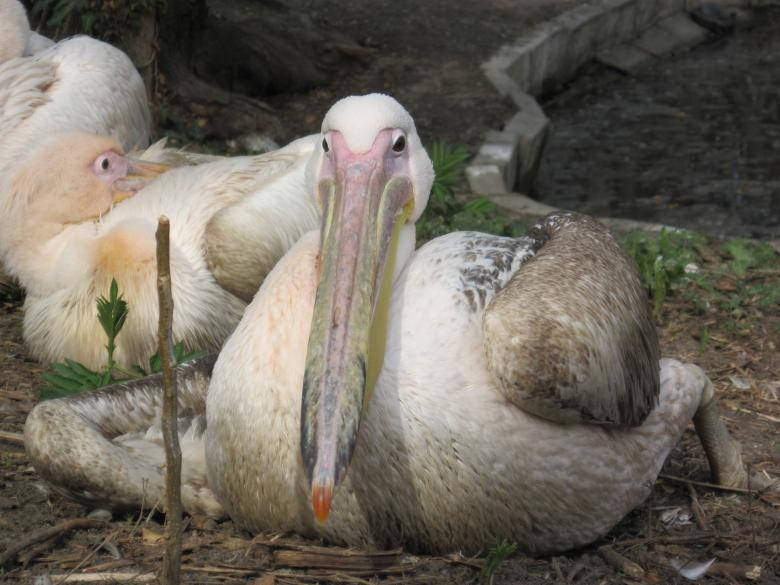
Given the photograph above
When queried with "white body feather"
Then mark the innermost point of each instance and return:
(14, 30)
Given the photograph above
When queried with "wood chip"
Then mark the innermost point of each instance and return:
(621, 563)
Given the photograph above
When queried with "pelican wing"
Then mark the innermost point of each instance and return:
(114, 454)
(570, 337)
(23, 85)
(272, 209)
(174, 157)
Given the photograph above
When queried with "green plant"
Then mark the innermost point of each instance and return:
(112, 313)
(448, 164)
(661, 259)
(109, 20)
(704, 339)
(497, 555)
(446, 212)
(71, 377)
(745, 255)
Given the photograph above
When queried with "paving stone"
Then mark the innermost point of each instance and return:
(547, 54)
(531, 128)
(485, 179)
(645, 15)
(519, 70)
(669, 7)
(626, 57)
(583, 25)
(496, 69)
(500, 149)
(658, 41)
(681, 26)
(624, 12)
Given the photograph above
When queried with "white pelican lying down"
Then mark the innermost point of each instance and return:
(80, 84)
(64, 236)
(374, 395)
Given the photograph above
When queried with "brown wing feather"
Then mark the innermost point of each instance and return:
(570, 338)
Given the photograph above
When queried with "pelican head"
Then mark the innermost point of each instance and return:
(76, 177)
(373, 177)
(69, 179)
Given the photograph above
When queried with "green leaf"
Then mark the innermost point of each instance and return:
(62, 382)
(155, 363)
(112, 313)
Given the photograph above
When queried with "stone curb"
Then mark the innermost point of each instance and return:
(621, 33)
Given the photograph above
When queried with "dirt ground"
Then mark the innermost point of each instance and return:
(423, 58)
(692, 140)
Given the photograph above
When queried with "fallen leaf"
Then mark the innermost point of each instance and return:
(152, 536)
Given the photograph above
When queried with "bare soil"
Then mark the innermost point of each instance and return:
(690, 141)
(428, 55)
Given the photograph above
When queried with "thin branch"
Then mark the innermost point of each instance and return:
(714, 486)
(108, 577)
(16, 438)
(47, 533)
(172, 559)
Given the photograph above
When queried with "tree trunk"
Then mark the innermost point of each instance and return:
(216, 60)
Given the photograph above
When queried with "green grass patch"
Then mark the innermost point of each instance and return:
(728, 280)
(661, 259)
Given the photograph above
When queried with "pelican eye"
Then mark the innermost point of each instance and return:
(104, 164)
(325, 146)
(399, 144)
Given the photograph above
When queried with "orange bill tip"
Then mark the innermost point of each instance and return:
(321, 496)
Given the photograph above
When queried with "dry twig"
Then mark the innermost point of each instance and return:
(47, 533)
(714, 486)
(16, 438)
(105, 578)
(172, 558)
(337, 559)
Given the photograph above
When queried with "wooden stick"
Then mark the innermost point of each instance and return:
(333, 559)
(171, 566)
(714, 486)
(668, 539)
(106, 577)
(47, 533)
(17, 438)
